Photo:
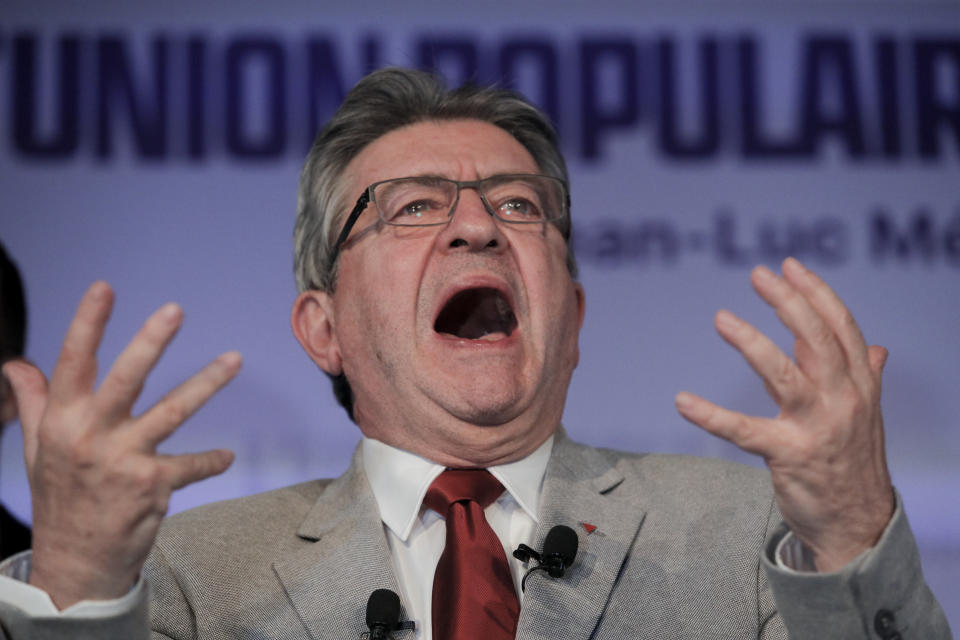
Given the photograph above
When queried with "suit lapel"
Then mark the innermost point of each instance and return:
(329, 581)
(579, 490)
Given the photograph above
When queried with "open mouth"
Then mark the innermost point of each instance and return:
(483, 313)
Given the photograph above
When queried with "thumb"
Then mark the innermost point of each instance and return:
(877, 356)
(30, 389)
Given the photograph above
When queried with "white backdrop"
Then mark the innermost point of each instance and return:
(158, 148)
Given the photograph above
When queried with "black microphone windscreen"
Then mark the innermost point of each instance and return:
(383, 608)
(562, 541)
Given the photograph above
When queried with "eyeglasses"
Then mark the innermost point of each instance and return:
(425, 201)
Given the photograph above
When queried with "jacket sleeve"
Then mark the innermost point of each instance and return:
(161, 605)
(129, 625)
(880, 595)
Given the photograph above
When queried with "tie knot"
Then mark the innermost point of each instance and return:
(458, 485)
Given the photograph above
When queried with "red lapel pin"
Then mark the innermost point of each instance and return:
(589, 527)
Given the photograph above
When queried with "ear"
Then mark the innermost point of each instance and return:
(313, 323)
(581, 303)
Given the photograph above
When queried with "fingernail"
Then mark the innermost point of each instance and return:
(226, 457)
(793, 263)
(99, 289)
(726, 320)
(763, 273)
(683, 400)
(231, 359)
(170, 311)
(8, 366)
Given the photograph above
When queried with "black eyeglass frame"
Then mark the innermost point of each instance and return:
(367, 196)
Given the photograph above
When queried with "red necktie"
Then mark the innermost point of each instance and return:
(473, 593)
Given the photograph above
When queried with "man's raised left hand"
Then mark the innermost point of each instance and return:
(825, 448)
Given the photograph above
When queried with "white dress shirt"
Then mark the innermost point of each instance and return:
(416, 535)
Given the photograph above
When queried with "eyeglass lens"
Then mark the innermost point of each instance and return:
(427, 200)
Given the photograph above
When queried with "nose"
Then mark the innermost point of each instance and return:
(472, 227)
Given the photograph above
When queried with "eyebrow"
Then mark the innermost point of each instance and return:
(482, 177)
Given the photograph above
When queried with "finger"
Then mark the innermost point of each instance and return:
(817, 351)
(76, 369)
(124, 382)
(877, 356)
(831, 308)
(157, 424)
(787, 385)
(30, 389)
(182, 470)
(752, 434)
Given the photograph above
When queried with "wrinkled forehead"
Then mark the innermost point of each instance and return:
(456, 149)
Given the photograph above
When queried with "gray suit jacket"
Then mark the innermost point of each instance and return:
(677, 552)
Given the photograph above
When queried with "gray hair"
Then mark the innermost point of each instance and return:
(382, 101)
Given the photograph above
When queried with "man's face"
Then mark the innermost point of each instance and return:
(458, 341)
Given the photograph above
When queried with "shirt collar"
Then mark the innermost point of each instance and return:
(400, 479)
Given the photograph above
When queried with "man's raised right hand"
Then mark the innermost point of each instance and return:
(98, 485)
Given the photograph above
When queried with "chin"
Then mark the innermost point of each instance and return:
(485, 405)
